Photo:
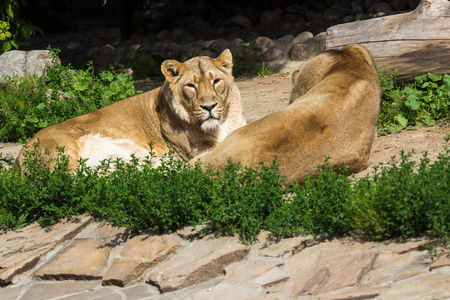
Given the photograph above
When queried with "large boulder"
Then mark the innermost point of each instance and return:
(23, 63)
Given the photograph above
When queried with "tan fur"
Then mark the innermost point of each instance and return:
(333, 111)
(195, 109)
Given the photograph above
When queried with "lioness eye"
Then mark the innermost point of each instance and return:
(190, 85)
(216, 81)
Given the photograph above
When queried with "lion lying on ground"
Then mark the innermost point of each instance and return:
(333, 112)
(195, 109)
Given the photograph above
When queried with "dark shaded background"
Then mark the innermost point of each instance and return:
(149, 16)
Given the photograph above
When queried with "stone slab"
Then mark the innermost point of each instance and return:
(203, 261)
(48, 290)
(137, 257)
(83, 259)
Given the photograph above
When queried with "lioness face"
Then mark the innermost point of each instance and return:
(200, 89)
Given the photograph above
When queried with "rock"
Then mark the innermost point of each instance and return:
(399, 5)
(271, 18)
(285, 247)
(73, 45)
(208, 44)
(107, 232)
(19, 264)
(357, 6)
(326, 267)
(256, 271)
(429, 286)
(10, 292)
(83, 259)
(361, 16)
(203, 261)
(442, 261)
(138, 256)
(413, 3)
(239, 20)
(190, 232)
(392, 268)
(285, 41)
(382, 7)
(24, 63)
(273, 53)
(334, 13)
(162, 34)
(409, 246)
(108, 50)
(302, 37)
(302, 51)
(263, 42)
(219, 45)
(191, 52)
(22, 249)
(47, 290)
(354, 293)
(348, 19)
(177, 32)
(370, 3)
(225, 291)
(296, 9)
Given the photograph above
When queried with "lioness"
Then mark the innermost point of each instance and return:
(195, 109)
(333, 112)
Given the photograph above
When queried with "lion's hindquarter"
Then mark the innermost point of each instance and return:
(333, 113)
(115, 131)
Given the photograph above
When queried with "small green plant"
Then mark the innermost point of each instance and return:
(422, 102)
(246, 60)
(30, 104)
(432, 251)
(264, 72)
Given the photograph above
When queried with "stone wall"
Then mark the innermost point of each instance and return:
(84, 259)
(177, 29)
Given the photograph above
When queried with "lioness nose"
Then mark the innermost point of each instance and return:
(208, 107)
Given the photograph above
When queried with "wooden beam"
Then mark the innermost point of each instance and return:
(413, 43)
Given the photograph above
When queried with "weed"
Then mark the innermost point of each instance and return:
(246, 60)
(264, 72)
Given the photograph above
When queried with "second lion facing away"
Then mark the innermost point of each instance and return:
(333, 111)
(197, 106)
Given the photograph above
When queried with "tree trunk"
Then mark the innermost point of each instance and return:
(413, 43)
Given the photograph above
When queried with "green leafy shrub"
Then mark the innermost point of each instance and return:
(422, 102)
(242, 198)
(30, 104)
(319, 206)
(399, 200)
(12, 27)
(404, 200)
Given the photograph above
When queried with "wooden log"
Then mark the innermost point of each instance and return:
(413, 43)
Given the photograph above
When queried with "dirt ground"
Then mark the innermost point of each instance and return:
(262, 96)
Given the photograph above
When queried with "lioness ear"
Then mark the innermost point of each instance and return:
(294, 76)
(171, 69)
(225, 59)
